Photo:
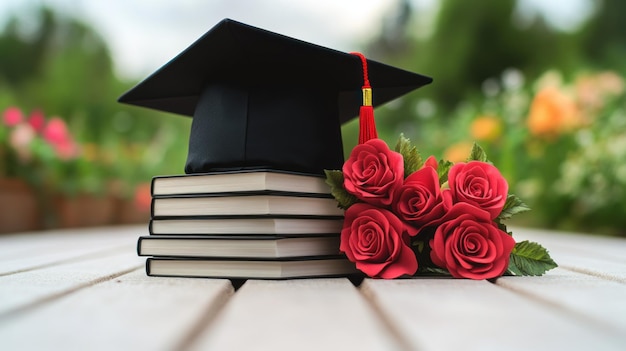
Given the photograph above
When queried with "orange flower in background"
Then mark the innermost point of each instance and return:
(458, 152)
(143, 197)
(90, 152)
(486, 128)
(552, 112)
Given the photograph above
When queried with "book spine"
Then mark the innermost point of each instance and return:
(154, 179)
(152, 208)
(139, 246)
(150, 224)
(148, 272)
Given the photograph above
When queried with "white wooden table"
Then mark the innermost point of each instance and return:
(87, 290)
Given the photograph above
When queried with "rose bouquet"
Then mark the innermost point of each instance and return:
(406, 216)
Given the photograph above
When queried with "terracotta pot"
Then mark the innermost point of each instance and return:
(84, 210)
(19, 208)
(129, 213)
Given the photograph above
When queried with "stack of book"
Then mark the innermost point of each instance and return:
(244, 224)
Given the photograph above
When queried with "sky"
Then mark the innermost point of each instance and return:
(145, 34)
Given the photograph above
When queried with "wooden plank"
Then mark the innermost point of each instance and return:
(23, 290)
(592, 266)
(307, 314)
(453, 314)
(56, 257)
(596, 246)
(57, 247)
(130, 312)
(20, 246)
(599, 256)
(600, 301)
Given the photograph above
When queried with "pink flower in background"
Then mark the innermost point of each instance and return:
(20, 140)
(55, 132)
(66, 150)
(12, 116)
(37, 121)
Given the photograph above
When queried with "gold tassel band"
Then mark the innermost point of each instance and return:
(367, 96)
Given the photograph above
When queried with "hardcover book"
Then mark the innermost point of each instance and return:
(245, 226)
(248, 205)
(239, 181)
(247, 269)
(238, 247)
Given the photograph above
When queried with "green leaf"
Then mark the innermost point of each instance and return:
(512, 206)
(477, 154)
(419, 245)
(334, 178)
(433, 271)
(442, 170)
(529, 258)
(412, 158)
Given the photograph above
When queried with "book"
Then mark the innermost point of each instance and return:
(239, 181)
(283, 226)
(248, 269)
(238, 247)
(244, 205)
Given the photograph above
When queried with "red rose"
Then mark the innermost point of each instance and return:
(431, 161)
(479, 184)
(373, 238)
(418, 201)
(469, 244)
(373, 172)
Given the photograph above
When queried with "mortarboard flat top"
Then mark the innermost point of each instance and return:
(264, 100)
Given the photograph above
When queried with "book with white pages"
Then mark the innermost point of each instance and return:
(245, 226)
(254, 247)
(244, 205)
(259, 181)
(251, 269)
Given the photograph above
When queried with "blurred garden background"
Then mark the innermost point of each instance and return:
(541, 89)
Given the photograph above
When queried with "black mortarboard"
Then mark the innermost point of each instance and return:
(265, 100)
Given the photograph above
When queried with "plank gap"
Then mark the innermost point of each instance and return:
(24, 308)
(559, 308)
(89, 255)
(593, 273)
(208, 317)
(370, 297)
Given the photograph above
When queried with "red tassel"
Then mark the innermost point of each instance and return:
(367, 123)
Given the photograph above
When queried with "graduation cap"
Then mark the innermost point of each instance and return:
(264, 100)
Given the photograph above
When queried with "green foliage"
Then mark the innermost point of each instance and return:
(477, 154)
(334, 178)
(435, 271)
(529, 258)
(412, 158)
(63, 67)
(512, 206)
(442, 170)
